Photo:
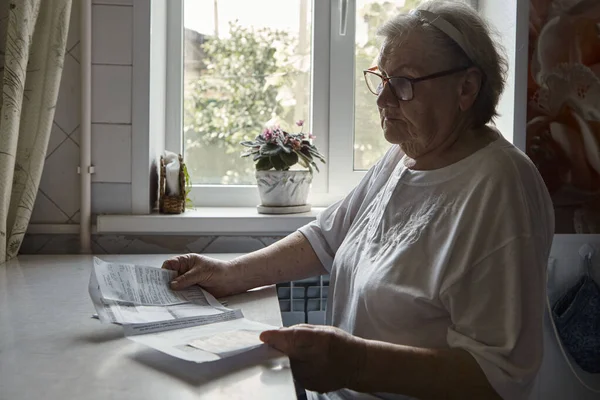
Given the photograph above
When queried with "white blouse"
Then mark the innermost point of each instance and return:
(448, 258)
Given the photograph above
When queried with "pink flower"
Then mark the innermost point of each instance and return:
(300, 122)
(267, 134)
(296, 144)
(311, 136)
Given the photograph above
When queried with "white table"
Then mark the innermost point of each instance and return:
(51, 348)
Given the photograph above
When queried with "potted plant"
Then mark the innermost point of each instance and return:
(283, 188)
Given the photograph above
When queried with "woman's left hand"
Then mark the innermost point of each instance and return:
(323, 358)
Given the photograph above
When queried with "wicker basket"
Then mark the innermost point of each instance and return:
(171, 204)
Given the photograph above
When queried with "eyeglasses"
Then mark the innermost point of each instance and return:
(402, 87)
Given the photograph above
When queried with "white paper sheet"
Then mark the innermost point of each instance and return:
(142, 285)
(191, 325)
(228, 341)
(208, 342)
(160, 326)
(133, 294)
(103, 310)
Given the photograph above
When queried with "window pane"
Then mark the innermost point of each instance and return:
(243, 69)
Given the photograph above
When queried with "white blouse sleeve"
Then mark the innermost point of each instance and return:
(497, 310)
(327, 232)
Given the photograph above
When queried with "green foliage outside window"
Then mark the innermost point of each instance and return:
(250, 78)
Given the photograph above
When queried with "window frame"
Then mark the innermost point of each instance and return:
(332, 98)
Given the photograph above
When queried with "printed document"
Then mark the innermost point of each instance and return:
(189, 324)
(134, 294)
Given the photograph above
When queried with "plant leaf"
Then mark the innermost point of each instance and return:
(316, 154)
(249, 152)
(283, 145)
(269, 149)
(278, 163)
(307, 159)
(289, 158)
(303, 162)
(306, 153)
(188, 187)
(264, 164)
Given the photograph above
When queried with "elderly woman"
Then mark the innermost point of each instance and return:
(437, 258)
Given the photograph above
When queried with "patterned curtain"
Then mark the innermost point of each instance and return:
(33, 36)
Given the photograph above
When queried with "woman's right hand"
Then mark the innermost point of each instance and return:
(194, 269)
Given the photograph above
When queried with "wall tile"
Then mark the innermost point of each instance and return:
(61, 244)
(60, 180)
(148, 244)
(111, 153)
(112, 35)
(111, 94)
(57, 136)
(269, 240)
(111, 198)
(75, 136)
(34, 243)
(54, 244)
(69, 97)
(112, 244)
(46, 212)
(97, 249)
(158, 245)
(75, 52)
(75, 218)
(199, 244)
(234, 244)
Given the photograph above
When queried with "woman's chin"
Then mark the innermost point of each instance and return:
(393, 136)
(394, 131)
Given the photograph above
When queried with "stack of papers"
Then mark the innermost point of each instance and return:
(189, 324)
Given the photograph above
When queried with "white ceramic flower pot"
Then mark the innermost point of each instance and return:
(283, 188)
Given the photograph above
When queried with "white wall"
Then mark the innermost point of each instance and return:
(509, 18)
(58, 197)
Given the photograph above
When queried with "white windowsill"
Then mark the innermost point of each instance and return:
(207, 220)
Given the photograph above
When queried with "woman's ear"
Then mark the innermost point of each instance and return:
(470, 84)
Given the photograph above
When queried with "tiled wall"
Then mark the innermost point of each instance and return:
(58, 197)
(151, 244)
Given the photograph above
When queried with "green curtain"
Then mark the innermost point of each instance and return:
(33, 40)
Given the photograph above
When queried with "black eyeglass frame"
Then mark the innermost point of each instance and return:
(411, 81)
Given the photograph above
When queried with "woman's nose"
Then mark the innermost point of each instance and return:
(386, 98)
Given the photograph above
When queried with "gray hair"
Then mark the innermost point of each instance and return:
(481, 50)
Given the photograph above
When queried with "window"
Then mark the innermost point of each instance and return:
(242, 69)
(236, 65)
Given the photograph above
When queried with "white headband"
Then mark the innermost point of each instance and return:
(445, 27)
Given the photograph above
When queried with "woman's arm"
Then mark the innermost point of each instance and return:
(422, 373)
(325, 359)
(289, 259)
